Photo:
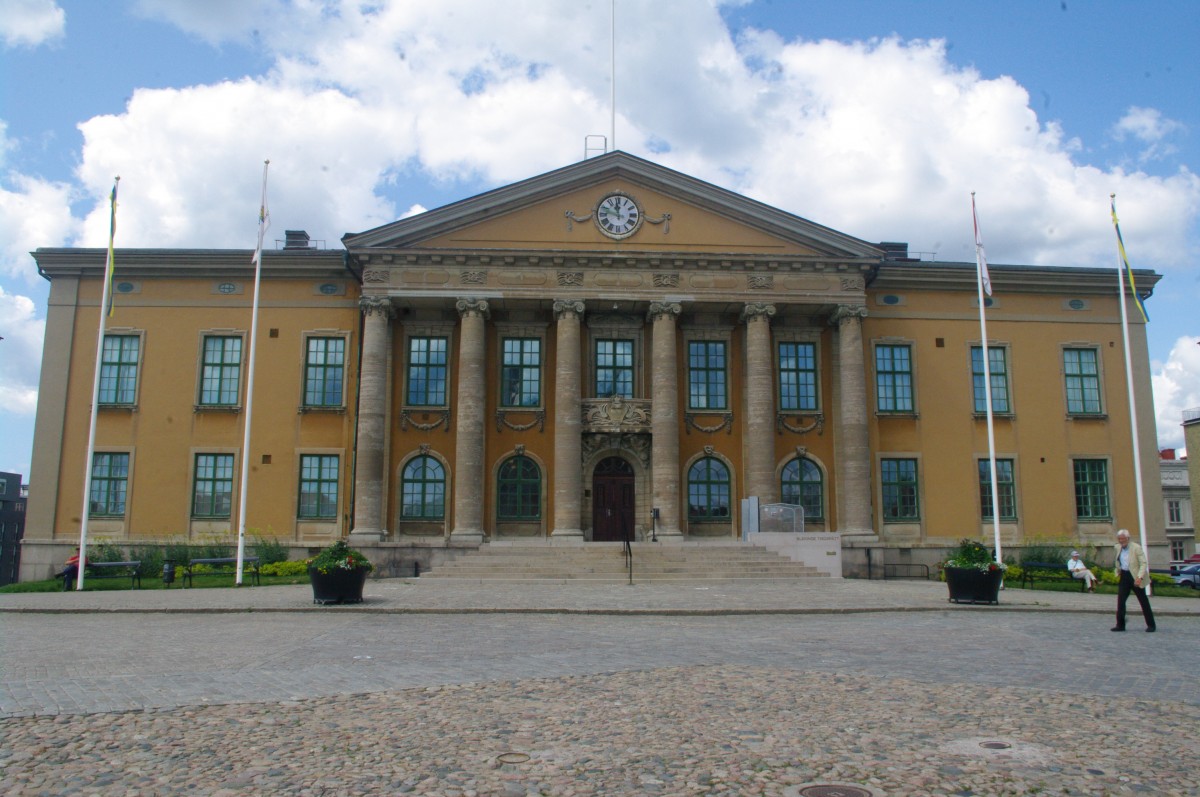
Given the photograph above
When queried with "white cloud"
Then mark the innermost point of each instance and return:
(1150, 127)
(21, 356)
(33, 213)
(1176, 388)
(214, 21)
(28, 23)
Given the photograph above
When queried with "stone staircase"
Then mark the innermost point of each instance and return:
(604, 563)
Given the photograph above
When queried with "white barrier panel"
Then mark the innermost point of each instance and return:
(822, 550)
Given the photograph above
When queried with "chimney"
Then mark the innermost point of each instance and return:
(1167, 454)
(296, 239)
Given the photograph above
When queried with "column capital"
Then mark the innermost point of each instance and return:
(563, 307)
(657, 309)
(847, 312)
(370, 305)
(470, 307)
(755, 310)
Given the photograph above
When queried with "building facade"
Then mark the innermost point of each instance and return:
(1177, 507)
(12, 526)
(609, 349)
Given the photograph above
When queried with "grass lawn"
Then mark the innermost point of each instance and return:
(200, 582)
(1168, 591)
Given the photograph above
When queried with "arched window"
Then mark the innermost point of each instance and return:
(519, 493)
(708, 490)
(423, 489)
(800, 483)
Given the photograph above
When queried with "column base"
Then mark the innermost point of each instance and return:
(366, 536)
(466, 538)
(567, 535)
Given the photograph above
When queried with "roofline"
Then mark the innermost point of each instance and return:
(1013, 278)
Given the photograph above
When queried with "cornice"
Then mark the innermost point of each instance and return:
(145, 263)
(924, 275)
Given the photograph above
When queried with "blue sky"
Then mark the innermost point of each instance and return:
(874, 118)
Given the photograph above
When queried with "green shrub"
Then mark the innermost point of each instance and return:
(151, 557)
(269, 550)
(102, 549)
(293, 568)
(177, 551)
(973, 555)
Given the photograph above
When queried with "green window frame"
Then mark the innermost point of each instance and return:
(706, 375)
(109, 485)
(212, 486)
(427, 371)
(1005, 485)
(801, 483)
(901, 493)
(521, 372)
(324, 371)
(1081, 369)
(1091, 489)
(519, 490)
(797, 377)
(614, 368)
(423, 489)
(998, 371)
(318, 487)
(220, 381)
(708, 490)
(893, 377)
(119, 369)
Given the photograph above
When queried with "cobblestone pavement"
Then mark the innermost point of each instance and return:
(897, 696)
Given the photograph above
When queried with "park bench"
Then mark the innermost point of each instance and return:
(1048, 571)
(222, 566)
(109, 570)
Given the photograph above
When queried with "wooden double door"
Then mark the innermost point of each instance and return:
(612, 501)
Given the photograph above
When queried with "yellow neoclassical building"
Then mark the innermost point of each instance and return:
(613, 348)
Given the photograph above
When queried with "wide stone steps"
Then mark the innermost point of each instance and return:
(605, 563)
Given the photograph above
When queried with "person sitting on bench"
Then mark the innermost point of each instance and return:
(70, 570)
(1079, 570)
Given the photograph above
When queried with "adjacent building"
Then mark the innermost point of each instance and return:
(613, 348)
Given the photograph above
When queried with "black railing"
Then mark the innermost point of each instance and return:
(627, 545)
(899, 570)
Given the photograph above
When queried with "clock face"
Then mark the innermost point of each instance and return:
(618, 216)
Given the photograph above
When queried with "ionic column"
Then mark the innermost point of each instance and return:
(760, 405)
(469, 477)
(852, 446)
(568, 423)
(369, 475)
(664, 419)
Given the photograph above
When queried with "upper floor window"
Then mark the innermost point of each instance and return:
(797, 377)
(1005, 486)
(1091, 489)
(110, 483)
(423, 489)
(519, 489)
(119, 368)
(318, 487)
(898, 478)
(706, 375)
(893, 377)
(800, 484)
(212, 486)
(324, 371)
(427, 364)
(221, 370)
(708, 490)
(1082, 372)
(1175, 512)
(998, 371)
(521, 372)
(614, 368)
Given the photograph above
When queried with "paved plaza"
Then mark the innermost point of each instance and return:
(443, 688)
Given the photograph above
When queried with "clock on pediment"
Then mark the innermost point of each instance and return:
(618, 215)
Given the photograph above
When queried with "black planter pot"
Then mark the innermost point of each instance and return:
(338, 586)
(969, 585)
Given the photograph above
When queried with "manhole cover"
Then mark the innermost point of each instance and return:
(831, 790)
(995, 745)
(512, 758)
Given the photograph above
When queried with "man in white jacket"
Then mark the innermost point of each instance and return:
(1080, 570)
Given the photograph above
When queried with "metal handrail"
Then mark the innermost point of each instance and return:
(921, 568)
(627, 545)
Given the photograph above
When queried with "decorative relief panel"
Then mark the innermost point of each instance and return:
(539, 420)
(376, 275)
(817, 422)
(690, 422)
(760, 282)
(570, 278)
(406, 420)
(473, 277)
(616, 414)
(636, 444)
(666, 280)
(852, 283)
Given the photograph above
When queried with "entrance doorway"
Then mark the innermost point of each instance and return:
(612, 500)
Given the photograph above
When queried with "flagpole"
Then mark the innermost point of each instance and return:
(980, 276)
(262, 229)
(85, 515)
(612, 83)
(1122, 267)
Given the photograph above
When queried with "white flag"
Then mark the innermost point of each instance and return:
(980, 257)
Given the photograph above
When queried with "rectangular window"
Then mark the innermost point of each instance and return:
(614, 368)
(706, 375)
(427, 365)
(118, 369)
(521, 372)
(998, 371)
(212, 486)
(1091, 489)
(1177, 551)
(222, 368)
(324, 369)
(110, 480)
(893, 378)
(1082, 371)
(797, 377)
(318, 487)
(1174, 512)
(898, 478)
(1005, 485)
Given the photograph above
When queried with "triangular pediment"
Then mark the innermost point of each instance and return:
(557, 211)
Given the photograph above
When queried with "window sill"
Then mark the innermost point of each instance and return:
(304, 409)
(1087, 416)
(1007, 416)
(232, 409)
(118, 407)
(912, 415)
